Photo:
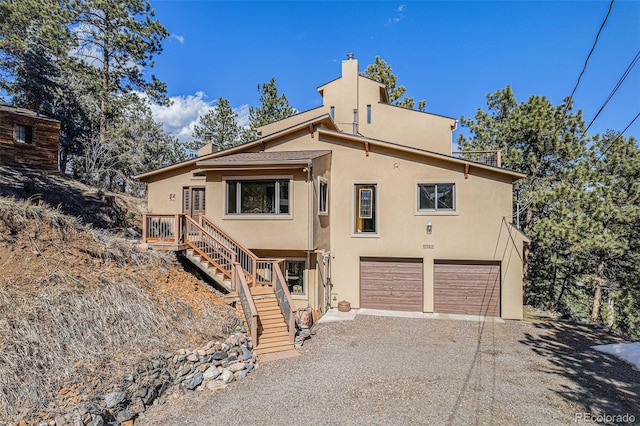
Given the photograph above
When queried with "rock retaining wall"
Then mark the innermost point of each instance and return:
(211, 366)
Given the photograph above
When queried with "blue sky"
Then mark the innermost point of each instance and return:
(450, 53)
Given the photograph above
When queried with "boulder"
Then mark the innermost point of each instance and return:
(114, 398)
(226, 376)
(195, 381)
(238, 366)
(211, 373)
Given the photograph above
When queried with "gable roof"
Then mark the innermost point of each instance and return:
(25, 112)
(324, 119)
(233, 156)
(265, 157)
(419, 151)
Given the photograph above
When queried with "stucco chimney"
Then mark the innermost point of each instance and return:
(350, 67)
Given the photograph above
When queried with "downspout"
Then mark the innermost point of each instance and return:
(310, 228)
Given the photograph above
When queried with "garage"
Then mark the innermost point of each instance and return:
(391, 283)
(465, 287)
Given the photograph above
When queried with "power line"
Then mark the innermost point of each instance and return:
(618, 137)
(584, 67)
(615, 89)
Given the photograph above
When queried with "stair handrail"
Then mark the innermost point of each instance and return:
(285, 301)
(226, 255)
(248, 305)
(247, 259)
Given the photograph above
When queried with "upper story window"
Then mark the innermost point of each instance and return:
(265, 196)
(24, 134)
(436, 197)
(365, 208)
(368, 114)
(332, 111)
(323, 196)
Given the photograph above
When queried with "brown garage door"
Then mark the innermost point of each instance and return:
(391, 283)
(471, 288)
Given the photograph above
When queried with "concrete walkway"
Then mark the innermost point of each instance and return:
(334, 315)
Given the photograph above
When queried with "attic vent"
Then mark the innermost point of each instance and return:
(350, 56)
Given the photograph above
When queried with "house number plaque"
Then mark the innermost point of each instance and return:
(428, 246)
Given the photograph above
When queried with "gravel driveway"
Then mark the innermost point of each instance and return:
(384, 370)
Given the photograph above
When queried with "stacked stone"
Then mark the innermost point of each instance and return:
(211, 366)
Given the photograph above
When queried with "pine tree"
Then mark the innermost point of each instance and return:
(381, 72)
(273, 107)
(220, 124)
(119, 39)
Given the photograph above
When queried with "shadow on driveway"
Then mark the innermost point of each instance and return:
(599, 382)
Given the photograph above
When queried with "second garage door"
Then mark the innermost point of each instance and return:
(391, 283)
(471, 288)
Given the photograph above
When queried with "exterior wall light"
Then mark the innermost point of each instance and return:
(429, 227)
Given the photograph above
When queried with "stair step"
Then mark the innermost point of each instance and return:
(273, 347)
(262, 290)
(266, 302)
(270, 316)
(269, 312)
(277, 333)
(271, 324)
(263, 340)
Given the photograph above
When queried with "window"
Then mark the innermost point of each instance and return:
(365, 208)
(24, 134)
(368, 114)
(323, 196)
(294, 275)
(258, 196)
(332, 111)
(436, 197)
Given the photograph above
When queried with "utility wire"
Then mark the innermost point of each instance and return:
(584, 67)
(615, 89)
(618, 137)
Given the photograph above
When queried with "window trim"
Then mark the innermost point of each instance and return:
(29, 131)
(376, 208)
(323, 212)
(239, 179)
(305, 276)
(436, 210)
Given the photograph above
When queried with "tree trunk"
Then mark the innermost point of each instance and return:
(611, 311)
(597, 297)
(105, 81)
(565, 282)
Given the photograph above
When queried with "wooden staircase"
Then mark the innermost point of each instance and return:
(256, 284)
(273, 333)
(208, 268)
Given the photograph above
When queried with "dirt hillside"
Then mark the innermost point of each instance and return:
(80, 306)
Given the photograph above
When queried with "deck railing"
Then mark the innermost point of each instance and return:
(207, 246)
(285, 301)
(236, 262)
(249, 307)
(162, 228)
(260, 270)
(489, 157)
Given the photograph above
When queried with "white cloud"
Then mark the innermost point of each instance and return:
(179, 118)
(177, 37)
(399, 15)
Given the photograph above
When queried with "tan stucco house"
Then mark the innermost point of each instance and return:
(363, 201)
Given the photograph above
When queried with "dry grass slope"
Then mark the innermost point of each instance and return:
(80, 308)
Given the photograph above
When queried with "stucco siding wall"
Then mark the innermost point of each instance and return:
(321, 223)
(165, 191)
(286, 232)
(477, 230)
